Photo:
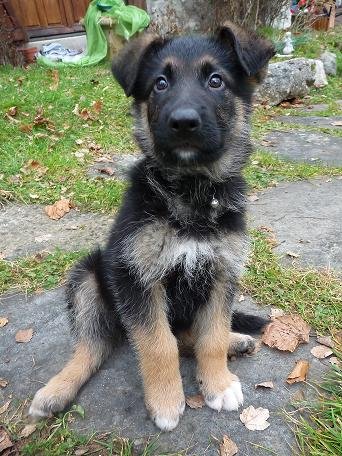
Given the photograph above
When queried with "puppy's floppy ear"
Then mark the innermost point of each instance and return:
(125, 66)
(253, 52)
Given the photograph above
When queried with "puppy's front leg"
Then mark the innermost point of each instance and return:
(221, 389)
(158, 356)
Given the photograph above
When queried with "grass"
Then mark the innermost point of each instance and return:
(54, 144)
(318, 424)
(55, 437)
(315, 295)
(36, 273)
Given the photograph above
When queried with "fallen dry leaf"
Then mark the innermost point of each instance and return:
(43, 121)
(268, 384)
(3, 382)
(28, 430)
(334, 361)
(55, 80)
(80, 451)
(321, 351)
(108, 171)
(24, 335)
(292, 254)
(26, 128)
(326, 340)
(299, 372)
(252, 198)
(286, 332)
(337, 123)
(12, 111)
(97, 105)
(195, 402)
(58, 209)
(255, 419)
(3, 321)
(228, 447)
(241, 298)
(4, 407)
(34, 166)
(86, 114)
(5, 441)
(275, 313)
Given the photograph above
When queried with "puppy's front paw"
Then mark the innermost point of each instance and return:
(230, 399)
(167, 420)
(48, 401)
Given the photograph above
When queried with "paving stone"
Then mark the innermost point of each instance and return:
(116, 168)
(313, 121)
(26, 230)
(113, 398)
(305, 146)
(306, 217)
(313, 108)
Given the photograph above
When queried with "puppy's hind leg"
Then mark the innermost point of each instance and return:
(92, 325)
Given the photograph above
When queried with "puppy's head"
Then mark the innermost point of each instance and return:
(192, 94)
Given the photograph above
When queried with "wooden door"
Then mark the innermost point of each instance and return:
(50, 17)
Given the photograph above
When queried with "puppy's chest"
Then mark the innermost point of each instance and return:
(157, 249)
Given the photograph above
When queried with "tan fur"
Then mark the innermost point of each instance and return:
(212, 331)
(159, 362)
(63, 387)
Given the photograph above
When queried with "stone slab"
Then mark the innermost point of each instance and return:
(313, 121)
(307, 219)
(26, 230)
(113, 398)
(305, 146)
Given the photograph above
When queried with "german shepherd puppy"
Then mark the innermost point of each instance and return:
(171, 266)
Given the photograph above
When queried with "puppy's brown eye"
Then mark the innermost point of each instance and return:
(161, 84)
(215, 81)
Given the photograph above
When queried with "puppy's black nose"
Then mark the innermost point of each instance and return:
(184, 120)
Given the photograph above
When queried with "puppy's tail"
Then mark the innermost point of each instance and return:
(247, 324)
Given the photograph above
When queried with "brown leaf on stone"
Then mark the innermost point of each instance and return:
(337, 123)
(3, 382)
(12, 111)
(28, 430)
(5, 441)
(107, 170)
(55, 80)
(253, 197)
(255, 419)
(292, 254)
(3, 321)
(97, 105)
(268, 384)
(58, 209)
(286, 332)
(326, 340)
(195, 402)
(24, 335)
(299, 372)
(334, 361)
(4, 407)
(81, 451)
(228, 447)
(321, 351)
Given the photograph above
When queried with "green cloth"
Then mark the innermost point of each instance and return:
(128, 20)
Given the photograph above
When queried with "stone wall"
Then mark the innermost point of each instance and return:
(174, 16)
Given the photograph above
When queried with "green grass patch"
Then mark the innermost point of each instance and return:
(265, 170)
(35, 273)
(55, 437)
(54, 144)
(315, 295)
(318, 424)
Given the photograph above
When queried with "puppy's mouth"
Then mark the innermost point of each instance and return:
(186, 153)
